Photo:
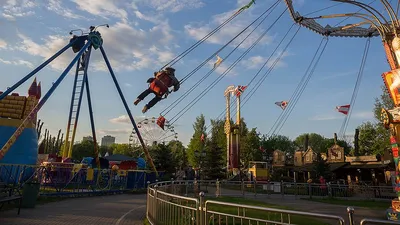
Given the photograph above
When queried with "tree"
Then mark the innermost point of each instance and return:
(250, 148)
(83, 149)
(218, 134)
(215, 154)
(384, 101)
(105, 149)
(373, 139)
(195, 143)
(122, 149)
(321, 168)
(179, 153)
(162, 157)
(213, 163)
(280, 142)
(315, 141)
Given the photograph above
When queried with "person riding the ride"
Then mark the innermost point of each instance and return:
(159, 85)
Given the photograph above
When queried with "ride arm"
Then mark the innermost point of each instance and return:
(336, 31)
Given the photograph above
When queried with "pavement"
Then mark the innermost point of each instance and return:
(108, 210)
(295, 203)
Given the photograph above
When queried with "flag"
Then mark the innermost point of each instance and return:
(219, 60)
(202, 138)
(262, 149)
(343, 109)
(239, 90)
(282, 104)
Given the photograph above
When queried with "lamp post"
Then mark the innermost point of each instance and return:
(388, 28)
(199, 155)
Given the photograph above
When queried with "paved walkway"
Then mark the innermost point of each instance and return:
(108, 210)
(308, 206)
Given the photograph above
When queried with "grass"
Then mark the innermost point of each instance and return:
(371, 204)
(259, 214)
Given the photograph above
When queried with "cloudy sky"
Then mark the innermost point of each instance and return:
(146, 34)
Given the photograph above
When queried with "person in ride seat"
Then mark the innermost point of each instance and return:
(159, 85)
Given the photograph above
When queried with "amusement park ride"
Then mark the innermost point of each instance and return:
(151, 133)
(388, 30)
(82, 45)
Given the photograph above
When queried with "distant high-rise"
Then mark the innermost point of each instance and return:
(107, 140)
(87, 138)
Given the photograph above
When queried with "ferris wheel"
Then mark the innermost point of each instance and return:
(152, 133)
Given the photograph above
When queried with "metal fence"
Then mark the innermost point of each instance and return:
(56, 180)
(185, 202)
(296, 190)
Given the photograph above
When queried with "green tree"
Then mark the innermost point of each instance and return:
(250, 148)
(195, 143)
(373, 139)
(122, 149)
(215, 154)
(178, 153)
(280, 142)
(163, 158)
(315, 141)
(322, 168)
(384, 101)
(218, 134)
(83, 149)
(213, 163)
(105, 149)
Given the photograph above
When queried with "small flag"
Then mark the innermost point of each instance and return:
(282, 104)
(240, 89)
(343, 109)
(219, 60)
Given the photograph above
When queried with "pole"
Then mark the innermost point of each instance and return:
(121, 95)
(86, 81)
(41, 66)
(32, 114)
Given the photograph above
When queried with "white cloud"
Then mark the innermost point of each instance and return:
(18, 62)
(102, 8)
(123, 53)
(125, 131)
(17, 8)
(3, 43)
(255, 62)
(172, 5)
(124, 119)
(198, 31)
(57, 7)
(128, 84)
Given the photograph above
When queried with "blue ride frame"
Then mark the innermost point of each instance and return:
(92, 41)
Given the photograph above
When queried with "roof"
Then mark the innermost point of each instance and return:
(335, 166)
(119, 157)
(366, 166)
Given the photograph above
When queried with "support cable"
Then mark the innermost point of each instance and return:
(182, 97)
(195, 45)
(216, 81)
(345, 123)
(259, 71)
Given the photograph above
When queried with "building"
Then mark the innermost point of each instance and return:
(87, 138)
(107, 140)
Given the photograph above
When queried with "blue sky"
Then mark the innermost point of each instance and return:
(145, 34)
